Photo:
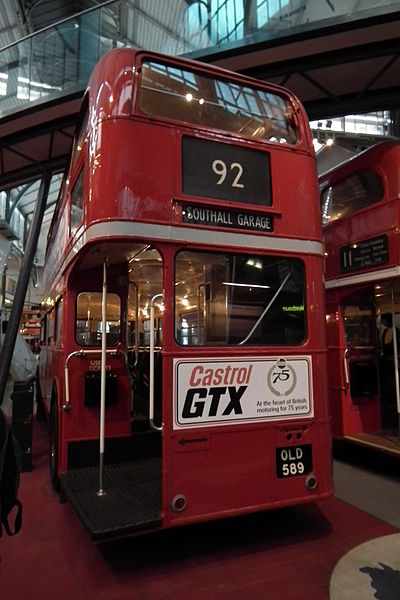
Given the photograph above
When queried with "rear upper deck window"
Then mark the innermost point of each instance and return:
(182, 95)
(350, 195)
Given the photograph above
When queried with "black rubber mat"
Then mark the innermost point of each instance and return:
(132, 499)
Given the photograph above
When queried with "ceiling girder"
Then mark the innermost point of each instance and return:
(35, 149)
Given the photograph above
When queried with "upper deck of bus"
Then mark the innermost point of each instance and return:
(159, 137)
(360, 211)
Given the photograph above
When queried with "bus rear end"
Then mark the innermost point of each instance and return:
(198, 246)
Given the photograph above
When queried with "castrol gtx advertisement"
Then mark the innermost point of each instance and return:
(217, 392)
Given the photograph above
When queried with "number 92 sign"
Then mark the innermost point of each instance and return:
(229, 172)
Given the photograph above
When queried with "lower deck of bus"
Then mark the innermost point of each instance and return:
(363, 324)
(210, 407)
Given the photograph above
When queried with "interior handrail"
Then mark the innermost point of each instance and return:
(270, 303)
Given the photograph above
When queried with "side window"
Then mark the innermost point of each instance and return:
(89, 322)
(80, 135)
(350, 195)
(77, 203)
(58, 324)
(43, 328)
(50, 327)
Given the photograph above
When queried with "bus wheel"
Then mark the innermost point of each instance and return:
(53, 447)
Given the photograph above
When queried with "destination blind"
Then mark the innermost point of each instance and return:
(364, 254)
(218, 217)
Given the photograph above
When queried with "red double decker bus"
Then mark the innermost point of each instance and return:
(183, 359)
(360, 202)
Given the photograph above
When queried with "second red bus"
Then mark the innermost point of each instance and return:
(360, 201)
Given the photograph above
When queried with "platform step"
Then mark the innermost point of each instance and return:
(132, 499)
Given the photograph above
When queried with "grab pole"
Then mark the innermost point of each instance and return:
(151, 378)
(101, 491)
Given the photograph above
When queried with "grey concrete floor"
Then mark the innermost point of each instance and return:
(374, 489)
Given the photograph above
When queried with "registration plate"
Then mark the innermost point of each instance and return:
(293, 460)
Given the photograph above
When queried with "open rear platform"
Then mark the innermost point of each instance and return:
(131, 500)
(387, 442)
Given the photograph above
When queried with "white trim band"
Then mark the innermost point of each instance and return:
(107, 230)
(370, 277)
(198, 236)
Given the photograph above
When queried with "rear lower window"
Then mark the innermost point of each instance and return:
(89, 319)
(231, 299)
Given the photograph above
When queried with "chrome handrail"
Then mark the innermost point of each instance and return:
(81, 354)
(345, 369)
(151, 380)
